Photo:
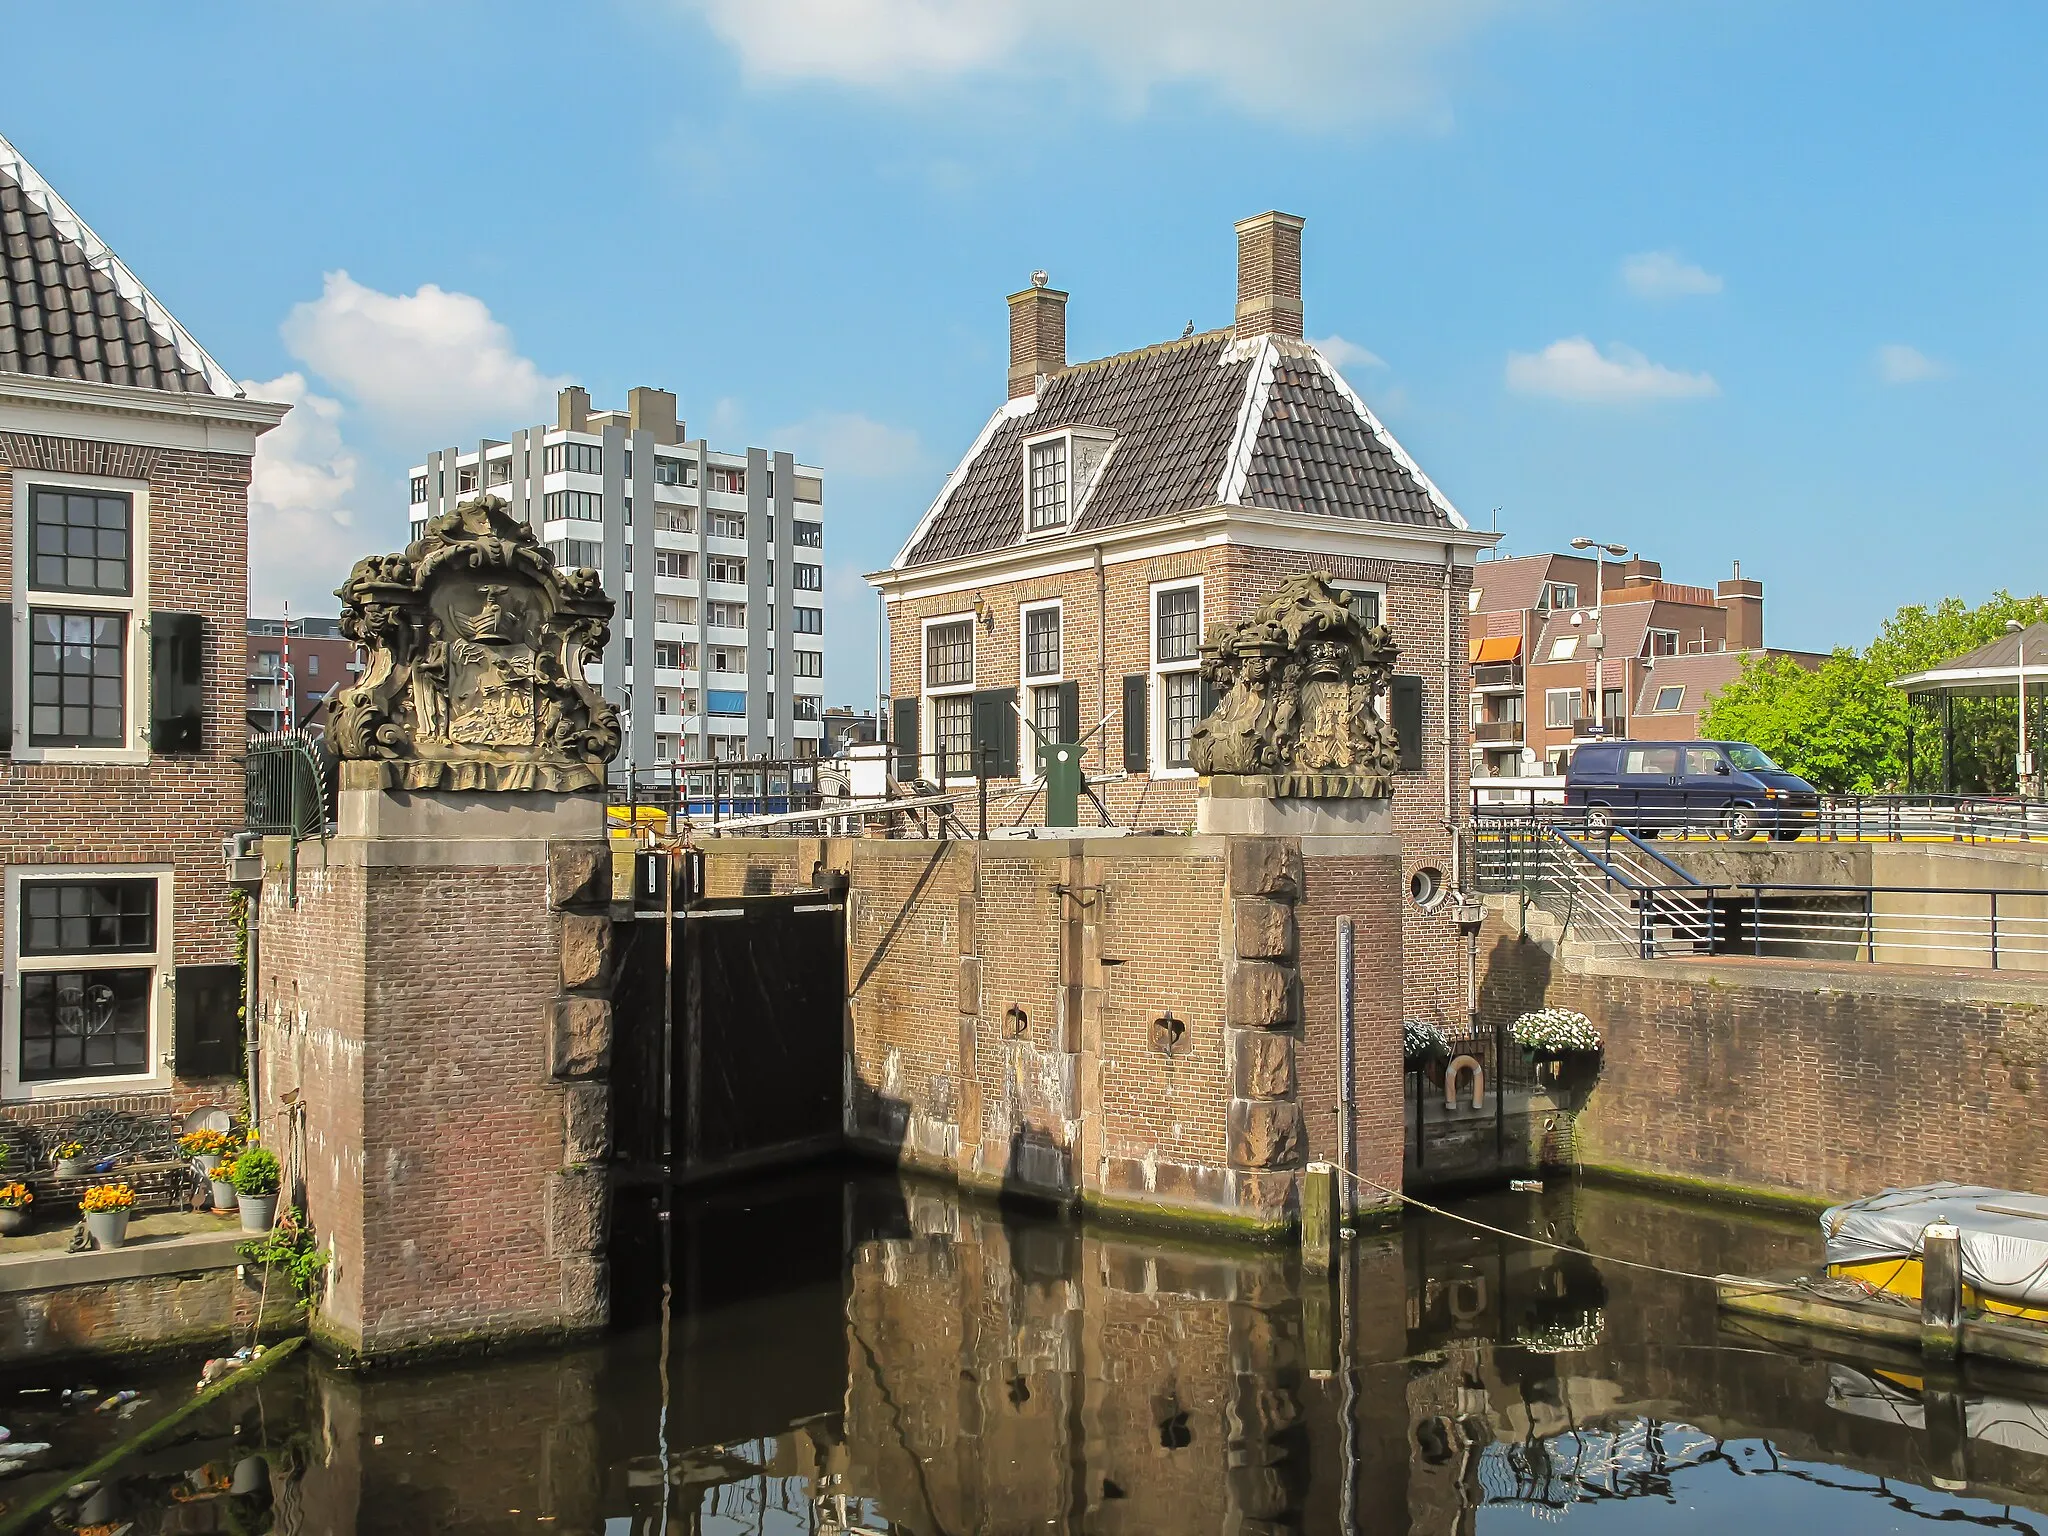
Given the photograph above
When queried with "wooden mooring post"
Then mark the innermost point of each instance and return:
(1321, 1218)
(1941, 1288)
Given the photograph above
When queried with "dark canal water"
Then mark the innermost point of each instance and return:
(856, 1354)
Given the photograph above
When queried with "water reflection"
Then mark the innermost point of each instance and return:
(860, 1355)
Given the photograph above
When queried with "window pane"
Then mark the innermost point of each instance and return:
(80, 541)
(949, 654)
(1045, 713)
(83, 917)
(1183, 692)
(1042, 642)
(84, 1023)
(77, 679)
(1049, 483)
(1365, 607)
(953, 732)
(1179, 623)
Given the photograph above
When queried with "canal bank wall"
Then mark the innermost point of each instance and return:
(1791, 1080)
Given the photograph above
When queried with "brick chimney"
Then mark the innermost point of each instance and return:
(572, 409)
(1269, 275)
(654, 410)
(1743, 602)
(1038, 335)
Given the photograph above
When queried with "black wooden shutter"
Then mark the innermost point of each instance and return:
(903, 733)
(1070, 711)
(177, 668)
(1407, 711)
(994, 725)
(1137, 729)
(6, 677)
(208, 1041)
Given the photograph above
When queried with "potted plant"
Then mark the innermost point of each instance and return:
(1424, 1048)
(106, 1208)
(15, 1200)
(205, 1147)
(1565, 1041)
(256, 1178)
(72, 1161)
(223, 1180)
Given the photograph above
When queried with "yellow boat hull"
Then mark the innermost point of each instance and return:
(1901, 1277)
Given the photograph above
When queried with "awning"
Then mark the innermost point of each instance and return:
(1496, 648)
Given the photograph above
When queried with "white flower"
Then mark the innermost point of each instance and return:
(1422, 1041)
(1556, 1029)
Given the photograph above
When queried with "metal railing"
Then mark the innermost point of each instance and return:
(287, 786)
(1830, 818)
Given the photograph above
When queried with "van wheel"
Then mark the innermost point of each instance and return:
(1741, 823)
(1599, 821)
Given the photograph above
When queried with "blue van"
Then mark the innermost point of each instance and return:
(1726, 785)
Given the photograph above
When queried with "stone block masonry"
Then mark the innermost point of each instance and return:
(441, 1010)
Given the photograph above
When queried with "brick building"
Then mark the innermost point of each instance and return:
(1111, 511)
(1563, 650)
(321, 659)
(124, 471)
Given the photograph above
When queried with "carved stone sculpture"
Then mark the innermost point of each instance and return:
(1297, 688)
(476, 647)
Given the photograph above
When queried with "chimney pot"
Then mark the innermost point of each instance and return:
(1743, 602)
(1038, 335)
(1269, 275)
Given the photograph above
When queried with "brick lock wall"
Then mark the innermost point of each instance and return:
(1824, 1083)
(177, 808)
(1235, 580)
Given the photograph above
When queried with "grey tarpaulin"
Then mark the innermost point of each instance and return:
(2005, 1234)
(2006, 1421)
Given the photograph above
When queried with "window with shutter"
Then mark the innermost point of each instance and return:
(1407, 722)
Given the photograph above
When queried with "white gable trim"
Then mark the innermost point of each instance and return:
(100, 256)
(1009, 410)
(1443, 502)
(1258, 388)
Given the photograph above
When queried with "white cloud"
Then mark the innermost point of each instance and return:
(437, 359)
(302, 524)
(1574, 369)
(1311, 62)
(848, 443)
(1664, 275)
(1898, 363)
(1348, 354)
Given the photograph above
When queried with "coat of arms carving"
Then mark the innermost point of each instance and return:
(476, 649)
(1298, 687)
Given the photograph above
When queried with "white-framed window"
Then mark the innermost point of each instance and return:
(949, 694)
(1176, 623)
(81, 609)
(1560, 707)
(1059, 469)
(1042, 663)
(1367, 600)
(88, 959)
(727, 568)
(1660, 642)
(1562, 594)
(1564, 647)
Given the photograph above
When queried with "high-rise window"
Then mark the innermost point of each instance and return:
(1048, 484)
(807, 535)
(584, 506)
(573, 458)
(728, 525)
(419, 489)
(810, 663)
(807, 621)
(807, 578)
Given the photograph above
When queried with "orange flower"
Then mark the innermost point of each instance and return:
(108, 1197)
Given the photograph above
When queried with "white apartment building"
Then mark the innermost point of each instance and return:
(716, 561)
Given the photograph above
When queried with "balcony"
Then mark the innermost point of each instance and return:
(1498, 733)
(1497, 677)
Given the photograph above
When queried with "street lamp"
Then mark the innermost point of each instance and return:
(1597, 641)
(2025, 763)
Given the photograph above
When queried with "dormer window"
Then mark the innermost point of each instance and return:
(1060, 468)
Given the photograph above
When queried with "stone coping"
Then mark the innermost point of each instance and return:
(1162, 845)
(1961, 984)
(157, 1245)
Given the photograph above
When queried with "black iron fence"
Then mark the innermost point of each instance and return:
(287, 786)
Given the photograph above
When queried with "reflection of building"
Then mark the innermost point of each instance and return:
(719, 581)
(124, 464)
(321, 661)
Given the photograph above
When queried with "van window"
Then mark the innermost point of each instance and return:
(1660, 761)
(1595, 762)
(1750, 760)
(1702, 761)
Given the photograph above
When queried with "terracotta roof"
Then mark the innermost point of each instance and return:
(1203, 421)
(69, 309)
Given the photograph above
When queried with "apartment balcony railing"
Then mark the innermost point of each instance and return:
(1501, 733)
(1612, 726)
(1497, 674)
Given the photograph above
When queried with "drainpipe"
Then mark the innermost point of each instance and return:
(1452, 820)
(1102, 646)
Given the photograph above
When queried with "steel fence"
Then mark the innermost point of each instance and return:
(1701, 813)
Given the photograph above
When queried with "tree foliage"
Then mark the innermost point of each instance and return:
(1843, 726)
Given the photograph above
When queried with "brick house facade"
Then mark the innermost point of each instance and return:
(1112, 511)
(125, 456)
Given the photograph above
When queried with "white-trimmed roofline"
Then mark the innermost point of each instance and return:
(100, 256)
(1009, 410)
(1443, 502)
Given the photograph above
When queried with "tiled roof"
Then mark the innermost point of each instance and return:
(70, 310)
(1701, 675)
(1179, 415)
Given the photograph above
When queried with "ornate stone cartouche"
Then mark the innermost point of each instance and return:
(1297, 687)
(476, 646)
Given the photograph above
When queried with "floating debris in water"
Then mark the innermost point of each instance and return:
(116, 1399)
(1526, 1186)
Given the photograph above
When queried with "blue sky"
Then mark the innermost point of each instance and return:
(1725, 281)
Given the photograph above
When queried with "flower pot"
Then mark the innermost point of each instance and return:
(109, 1229)
(257, 1211)
(223, 1195)
(208, 1161)
(74, 1167)
(13, 1219)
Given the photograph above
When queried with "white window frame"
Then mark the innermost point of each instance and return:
(1156, 747)
(1027, 742)
(1570, 589)
(1377, 588)
(1564, 648)
(1077, 497)
(134, 607)
(1650, 635)
(1570, 712)
(161, 961)
(1660, 708)
(928, 720)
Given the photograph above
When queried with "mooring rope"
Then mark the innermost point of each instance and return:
(1544, 1242)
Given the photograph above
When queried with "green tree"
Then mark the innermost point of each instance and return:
(1845, 728)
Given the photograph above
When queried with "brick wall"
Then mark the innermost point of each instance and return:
(1235, 580)
(175, 809)
(1806, 1080)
